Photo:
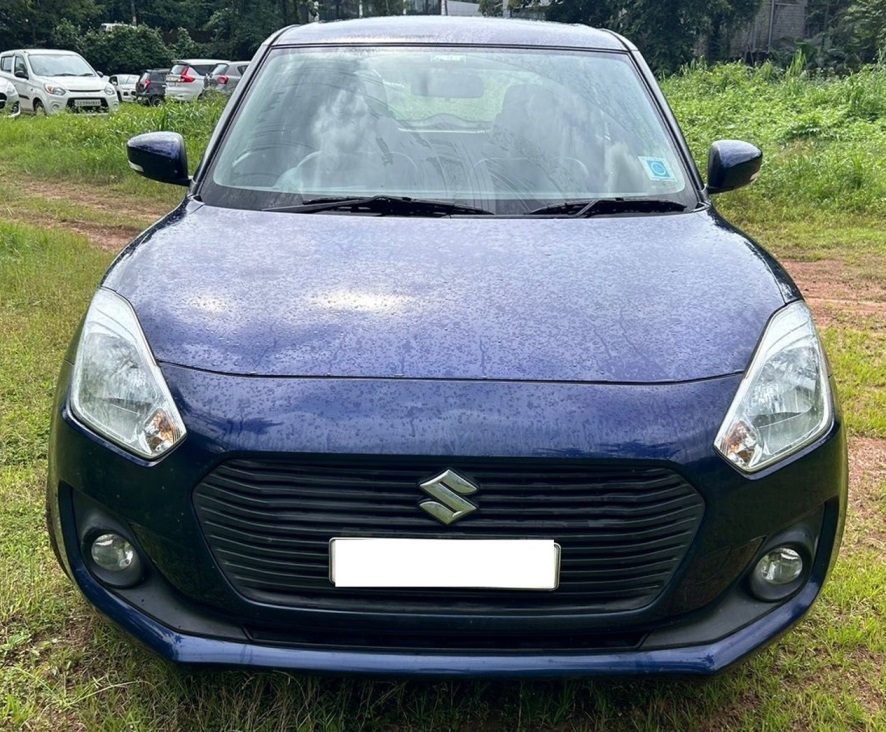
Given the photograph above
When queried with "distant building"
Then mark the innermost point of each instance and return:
(460, 7)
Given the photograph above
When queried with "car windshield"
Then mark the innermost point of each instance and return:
(505, 130)
(59, 65)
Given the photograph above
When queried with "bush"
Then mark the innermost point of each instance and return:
(125, 49)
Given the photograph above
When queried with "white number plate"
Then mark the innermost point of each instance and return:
(516, 564)
(87, 103)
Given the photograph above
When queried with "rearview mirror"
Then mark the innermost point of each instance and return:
(159, 156)
(732, 164)
(448, 84)
(19, 74)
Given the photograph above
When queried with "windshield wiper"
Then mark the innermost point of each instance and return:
(397, 205)
(603, 206)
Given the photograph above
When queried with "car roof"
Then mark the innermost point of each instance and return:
(445, 30)
(188, 61)
(44, 51)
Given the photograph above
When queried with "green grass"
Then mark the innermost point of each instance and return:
(62, 667)
(91, 149)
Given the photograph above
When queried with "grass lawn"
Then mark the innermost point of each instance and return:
(64, 668)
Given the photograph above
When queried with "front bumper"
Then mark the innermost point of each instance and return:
(10, 106)
(186, 610)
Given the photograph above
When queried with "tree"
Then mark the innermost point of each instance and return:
(30, 22)
(668, 32)
(124, 49)
(862, 30)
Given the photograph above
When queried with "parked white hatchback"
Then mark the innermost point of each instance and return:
(50, 81)
(185, 80)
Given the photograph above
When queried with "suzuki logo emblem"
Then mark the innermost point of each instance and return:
(448, 489)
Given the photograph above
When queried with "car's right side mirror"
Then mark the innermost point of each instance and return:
(159, 156)
(21, 74)
(732, 164)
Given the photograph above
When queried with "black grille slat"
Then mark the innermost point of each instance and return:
(623, 530)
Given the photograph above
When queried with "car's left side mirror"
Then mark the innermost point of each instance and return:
(732, 164)
(159, 156)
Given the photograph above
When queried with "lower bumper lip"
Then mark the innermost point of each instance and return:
(696, 660)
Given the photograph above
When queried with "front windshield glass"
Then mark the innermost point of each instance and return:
(59, 65)
(500, 129)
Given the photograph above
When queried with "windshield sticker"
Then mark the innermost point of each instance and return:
(657, 169)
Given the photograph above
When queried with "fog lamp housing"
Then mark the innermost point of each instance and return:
(780, 572)
(113, 559)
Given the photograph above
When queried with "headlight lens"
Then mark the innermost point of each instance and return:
(10, 88)
(109, 90)
(784, 400)
(55, 90)
(117, 388)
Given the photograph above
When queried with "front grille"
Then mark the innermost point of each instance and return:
(622, 530)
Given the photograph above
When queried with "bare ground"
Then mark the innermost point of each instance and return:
(96, 207)
(837, 293)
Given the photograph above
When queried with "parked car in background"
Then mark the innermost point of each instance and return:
(225, 76)
(151, 87)
(448, 364)
(185, 80)
(9, 101)
(125, 86)
(50, 81)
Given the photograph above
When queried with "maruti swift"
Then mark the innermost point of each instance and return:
(446, 364)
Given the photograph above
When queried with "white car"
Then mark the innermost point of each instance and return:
(125, 85)
(50, 81)
(9, 101)
(185, 80)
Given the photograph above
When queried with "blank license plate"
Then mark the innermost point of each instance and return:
(87, 103)
(515, 564)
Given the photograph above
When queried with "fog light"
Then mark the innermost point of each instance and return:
(780, 567)
(112, 552)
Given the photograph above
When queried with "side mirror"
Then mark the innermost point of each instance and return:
(159, 156)
(19, 74)
(732, 164)
(112, 80)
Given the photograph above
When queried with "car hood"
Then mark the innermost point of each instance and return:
(623, 299)
(78, 83)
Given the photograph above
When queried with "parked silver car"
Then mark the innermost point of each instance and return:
(125, 85)
(185, 80)
(225, 76)
(50, 81)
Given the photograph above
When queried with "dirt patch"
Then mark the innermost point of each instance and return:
(98, 199)
(837, 293)
(108, 238)
(865, 526)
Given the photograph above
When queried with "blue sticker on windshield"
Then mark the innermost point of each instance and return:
(657, 169)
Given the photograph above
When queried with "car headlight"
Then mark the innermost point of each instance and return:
(57, 91)
(117, 388)
(784, 400)
(10, 89)
(109, 90)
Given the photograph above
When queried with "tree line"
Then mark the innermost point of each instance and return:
(844, 33)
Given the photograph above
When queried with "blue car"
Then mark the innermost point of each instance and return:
(446, 364)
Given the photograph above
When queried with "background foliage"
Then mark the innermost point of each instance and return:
(844, 34)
